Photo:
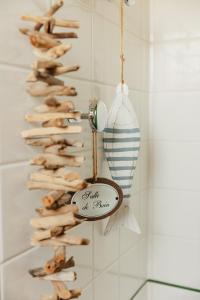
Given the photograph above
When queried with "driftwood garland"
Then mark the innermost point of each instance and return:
(57, 215)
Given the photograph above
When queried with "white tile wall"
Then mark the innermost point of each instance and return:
(100, 265)
(174, 203)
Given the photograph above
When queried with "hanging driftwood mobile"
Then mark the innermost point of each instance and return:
(53, 115)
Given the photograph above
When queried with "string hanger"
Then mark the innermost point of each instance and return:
(122, 55)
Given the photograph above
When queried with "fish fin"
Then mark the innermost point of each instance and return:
(124, 217)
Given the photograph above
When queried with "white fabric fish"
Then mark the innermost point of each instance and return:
(121, 147)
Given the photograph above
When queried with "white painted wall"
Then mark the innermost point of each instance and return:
(111, 267)
(175, 143)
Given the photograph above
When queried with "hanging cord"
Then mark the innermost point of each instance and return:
(94, 154)
(122, 56)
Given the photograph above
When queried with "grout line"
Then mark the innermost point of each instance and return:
(177, 40)
(84, 80)
(18, 256)
(115, 261)
(13, 164)
(154, 187)
(173, 141)
(176, 237)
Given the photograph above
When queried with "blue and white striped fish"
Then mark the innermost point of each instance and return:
(121, 147)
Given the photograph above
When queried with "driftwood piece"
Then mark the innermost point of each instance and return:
(44, 77)
(55, 265)
(49, 297)
(51, 198)
(62, 173)
(57, 149)
(42, 89)
(61, 123)
(53, 9)
(62, 202)
(53, 221)
(53, 140)
(62, 210)
(41, 132)
(43, 117)
(61, 290)
(48, 234)
(52, 53)
(35, 185)
(55, 35)
(58, 263)
(64, 35)
(51, 161)
(53, 68)
(64, 69)
(43, 64)
(53, 105)
(61, 241)
(58, 22)
(77, 184)
(40, 39)
(61, 276)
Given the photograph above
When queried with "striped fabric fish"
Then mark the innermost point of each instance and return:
(121, 147)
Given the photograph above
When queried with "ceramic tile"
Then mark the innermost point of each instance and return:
(106, 286)
(130, 279)
(20, 52)
(16, 278)
(87, 293)
(144, 208)
(16, 103)
(18, 205)
(106, 59)
(176, 66)
(172, 166)
(110, 11)
(175, 116)
(144, 166)
(175, 260)
(81, 48)
(83, 255)
(175, 213)
(145, 19)
(106, 248)
(175, 19)
(128, 238)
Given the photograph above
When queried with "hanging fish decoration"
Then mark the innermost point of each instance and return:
(121, 147)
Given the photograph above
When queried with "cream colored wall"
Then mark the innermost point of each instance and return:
(175, 150)
(111, 267)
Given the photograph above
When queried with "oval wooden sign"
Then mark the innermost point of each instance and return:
(99, 200)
